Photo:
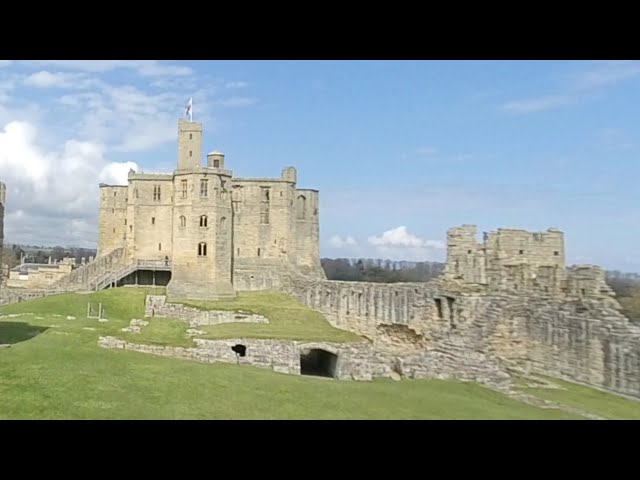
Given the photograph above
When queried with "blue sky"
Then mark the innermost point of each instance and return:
(400, 150)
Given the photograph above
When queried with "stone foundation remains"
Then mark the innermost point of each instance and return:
(354, 361)
(156, 306)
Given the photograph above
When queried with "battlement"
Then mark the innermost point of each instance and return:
(507, 259)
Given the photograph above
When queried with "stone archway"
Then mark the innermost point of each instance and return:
(318, 362)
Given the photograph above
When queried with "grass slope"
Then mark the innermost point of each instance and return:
(55, 370)
(288, 319)
(612, 407)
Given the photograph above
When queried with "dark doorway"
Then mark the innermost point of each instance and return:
(318, 362)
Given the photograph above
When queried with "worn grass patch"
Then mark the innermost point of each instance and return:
(612, 407)
(288, 319)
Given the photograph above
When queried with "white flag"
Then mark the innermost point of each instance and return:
(190, 109)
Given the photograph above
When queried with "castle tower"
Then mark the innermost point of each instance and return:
(202, 222)
(189, 145)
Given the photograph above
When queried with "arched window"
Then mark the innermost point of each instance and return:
(183, 221)
(202, 249)
(223, 223)
(203, 221)
(258, 252)
(302, 207)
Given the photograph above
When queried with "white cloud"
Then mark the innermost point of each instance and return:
(400, 237)
(426, 151)
(399, 244)
(607, 73)
(235, 102)
(45, 79)
(127, 118)
(339, 242)
(236, 84)
(151, 68)
(546, 102)
(581, 86)
(52, 196)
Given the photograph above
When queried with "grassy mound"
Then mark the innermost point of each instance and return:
(288, 319)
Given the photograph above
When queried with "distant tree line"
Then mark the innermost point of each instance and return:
(367, 271)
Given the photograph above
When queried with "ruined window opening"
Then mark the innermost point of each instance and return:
(439, 307)
(113, 210)
(203, 220)
(238, 252)
(216, 163)
(135, 193)
(546, 289)
(302, 207)
(319, 363)
(202, 249)
(130, 228)
(280, 193)
(204, 188)
(556, 253)
(450, 302)
(153, 220)
(114, 230)
(582, 292)
(125, 221)
(184, 188)
(258, 252)
(264, 205)
(190, 153)
(114, 193)
(191, 136)
(521, 252)
(468, 251)
(183, 221)
(223, 223)
(159, 247)
(515, 286)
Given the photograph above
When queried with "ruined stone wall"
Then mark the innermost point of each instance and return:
(356, 361)
(157, 306)
(581, 337)
(112, 217)
(507, 260)
(12, 295)
(308, 233)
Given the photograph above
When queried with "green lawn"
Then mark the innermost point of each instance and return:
(55, 370)
(288, 319)
(609, 406)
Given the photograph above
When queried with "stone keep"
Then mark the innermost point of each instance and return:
(221, 234)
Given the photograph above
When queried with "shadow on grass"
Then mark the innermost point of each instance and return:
(16, 332)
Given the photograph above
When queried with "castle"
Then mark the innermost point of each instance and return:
(217, 234)
(506, 305)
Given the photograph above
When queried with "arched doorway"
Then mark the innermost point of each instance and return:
(318, 362)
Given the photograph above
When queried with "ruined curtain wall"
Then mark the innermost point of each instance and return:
(586, 340)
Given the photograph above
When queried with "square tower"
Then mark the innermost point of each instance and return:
(189, 145)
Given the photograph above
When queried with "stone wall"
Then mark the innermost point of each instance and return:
(157, 306)
(112, 228)
(11, 295)
(580, 336)
(356, 361)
